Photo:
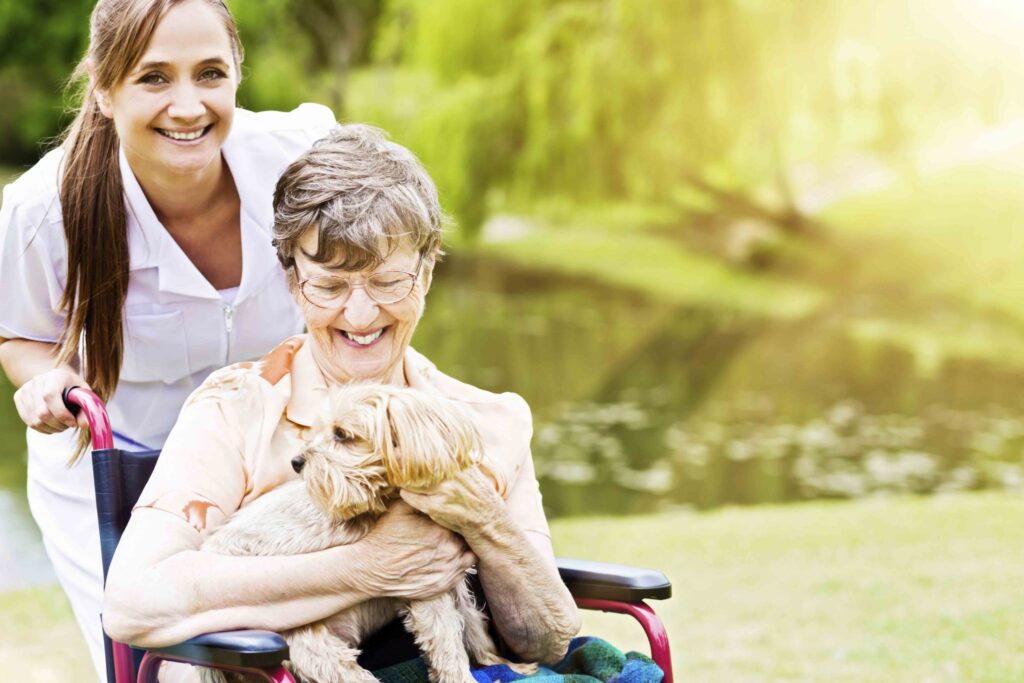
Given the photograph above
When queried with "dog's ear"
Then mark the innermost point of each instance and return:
(431, 438)
(345, 487)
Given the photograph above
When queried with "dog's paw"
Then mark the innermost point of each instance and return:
(522, 668)
(492, 659)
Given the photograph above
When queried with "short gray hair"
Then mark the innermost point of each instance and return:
(365, 194)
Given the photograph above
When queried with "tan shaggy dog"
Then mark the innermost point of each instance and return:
(371, 441)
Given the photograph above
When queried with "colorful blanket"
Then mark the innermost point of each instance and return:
(589, 660)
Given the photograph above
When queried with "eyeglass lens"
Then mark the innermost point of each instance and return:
(384, 288)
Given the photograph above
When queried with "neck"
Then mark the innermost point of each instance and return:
(394, 376)
(180, 199)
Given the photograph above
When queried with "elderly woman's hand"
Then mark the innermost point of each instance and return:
(465, 504)
(409, 556)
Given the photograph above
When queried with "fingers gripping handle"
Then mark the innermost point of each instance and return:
(78, 399)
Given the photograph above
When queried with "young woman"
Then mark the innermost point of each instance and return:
(136, 258)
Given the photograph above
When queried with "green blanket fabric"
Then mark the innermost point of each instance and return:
(589, 660)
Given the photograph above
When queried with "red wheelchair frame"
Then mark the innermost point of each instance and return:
(119, 477)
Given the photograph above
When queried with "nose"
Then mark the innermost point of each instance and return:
(186, 103)
(297, 463)
(360, 309)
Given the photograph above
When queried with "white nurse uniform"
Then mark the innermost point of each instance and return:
(177, 327)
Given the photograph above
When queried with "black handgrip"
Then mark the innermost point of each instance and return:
(73, 407)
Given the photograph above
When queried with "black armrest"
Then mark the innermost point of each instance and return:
(618, 582)
(254, 649)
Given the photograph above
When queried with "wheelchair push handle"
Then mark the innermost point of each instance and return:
(77, 399)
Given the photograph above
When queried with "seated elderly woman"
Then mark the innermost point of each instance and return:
(358, 228)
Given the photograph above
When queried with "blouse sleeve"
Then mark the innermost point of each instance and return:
(30, 307)
(202, 473)
(523, 498)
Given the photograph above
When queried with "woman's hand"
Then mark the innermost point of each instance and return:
(465, 503)
(409, 556)
(41, 406)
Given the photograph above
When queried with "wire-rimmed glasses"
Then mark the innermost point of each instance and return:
(332, 291)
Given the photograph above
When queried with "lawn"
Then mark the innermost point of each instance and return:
(657, 266)
(943, 251)
(908, 590)
(877, 590)
(931, 264)
(956, 234)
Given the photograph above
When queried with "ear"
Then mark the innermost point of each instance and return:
(428, 275)
(432, 438)
(102, 97)
(345, 489)
(103, 102)
(292, 276)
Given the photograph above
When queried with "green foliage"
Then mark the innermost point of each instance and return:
(463, 132)
(697, 106)
(660, 100)
(40, 42)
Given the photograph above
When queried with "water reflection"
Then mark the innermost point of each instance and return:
(639, 406)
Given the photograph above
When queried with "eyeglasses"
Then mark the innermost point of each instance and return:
(331, 291)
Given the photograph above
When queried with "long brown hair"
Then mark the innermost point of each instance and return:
(91, 191)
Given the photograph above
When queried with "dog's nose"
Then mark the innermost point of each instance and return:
(297, 462)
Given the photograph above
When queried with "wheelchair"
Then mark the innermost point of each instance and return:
(119, 477)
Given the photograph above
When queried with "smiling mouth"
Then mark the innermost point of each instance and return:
(363, 340)
(184, 137)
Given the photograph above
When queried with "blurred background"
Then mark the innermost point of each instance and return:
(732, 252)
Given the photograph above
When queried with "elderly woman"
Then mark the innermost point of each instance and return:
(358, 230)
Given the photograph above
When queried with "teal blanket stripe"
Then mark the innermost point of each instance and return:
(589, 660)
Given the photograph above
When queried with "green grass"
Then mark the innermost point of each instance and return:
(905, 590)
(956, 234)
(910, 590)
(654, 265)
(943, 253)
(39, 639)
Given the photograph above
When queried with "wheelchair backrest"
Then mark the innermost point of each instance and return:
(119, 477)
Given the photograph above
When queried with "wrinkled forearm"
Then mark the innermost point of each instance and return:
(532, 609)
(153, 600)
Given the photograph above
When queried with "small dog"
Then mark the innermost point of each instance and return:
(370, 442)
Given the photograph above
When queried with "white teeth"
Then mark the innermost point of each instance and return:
(368, 339)
(194, 135)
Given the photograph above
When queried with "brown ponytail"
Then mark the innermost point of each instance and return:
(95, 227)
(92, 193)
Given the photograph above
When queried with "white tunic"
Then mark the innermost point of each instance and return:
(177, 327)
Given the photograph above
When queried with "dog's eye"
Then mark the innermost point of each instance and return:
(341, 436)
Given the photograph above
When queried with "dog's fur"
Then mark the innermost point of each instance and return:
(371, 441)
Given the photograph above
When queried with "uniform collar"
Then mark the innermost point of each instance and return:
(309, 388)
(150, 245)
(255, 192)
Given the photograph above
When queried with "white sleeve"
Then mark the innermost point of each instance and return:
(316, 120)
(29, 282)
(293, 131)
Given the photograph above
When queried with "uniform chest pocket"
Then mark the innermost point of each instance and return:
(155, 348)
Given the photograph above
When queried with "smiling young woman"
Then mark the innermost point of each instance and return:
(136, 257)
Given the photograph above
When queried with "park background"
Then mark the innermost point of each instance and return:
(755, 264)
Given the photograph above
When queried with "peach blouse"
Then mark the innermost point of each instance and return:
(237, 433)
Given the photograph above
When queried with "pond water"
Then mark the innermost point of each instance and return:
(642, 407)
